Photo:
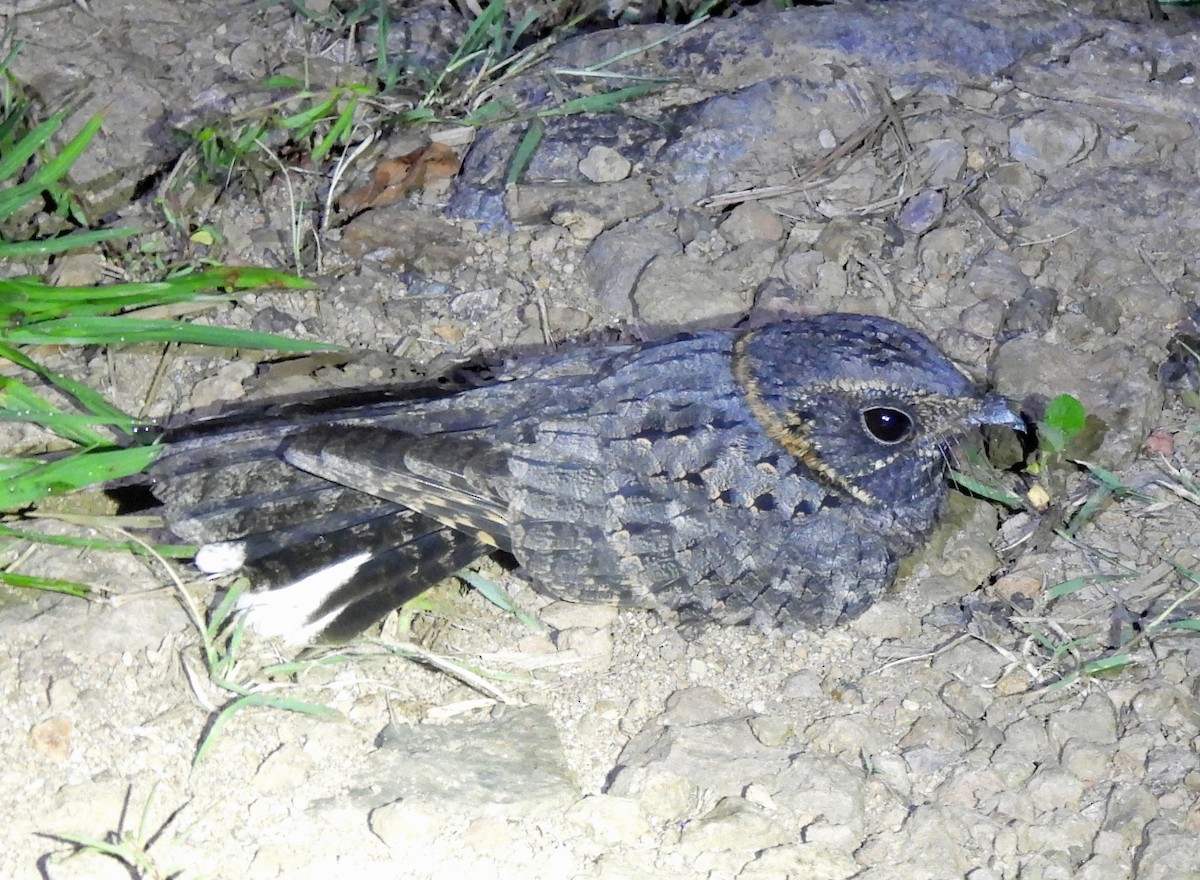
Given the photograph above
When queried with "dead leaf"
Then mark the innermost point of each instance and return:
(450, 333)
(1160, 442)
(51, 739)
(396, 176)
(1038, 498)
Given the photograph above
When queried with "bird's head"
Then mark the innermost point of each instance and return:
(867, 404)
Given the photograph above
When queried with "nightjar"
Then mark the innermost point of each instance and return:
(773, 476)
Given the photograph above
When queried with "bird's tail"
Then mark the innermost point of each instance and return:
(324, 561)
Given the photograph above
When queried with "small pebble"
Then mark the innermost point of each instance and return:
(604, 165)
(922, 212)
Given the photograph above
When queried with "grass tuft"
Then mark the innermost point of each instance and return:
(1127, 610)
(130, 848)
(102, 442)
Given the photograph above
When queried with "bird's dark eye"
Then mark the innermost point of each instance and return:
(887, 425)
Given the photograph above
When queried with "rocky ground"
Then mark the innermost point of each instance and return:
(1018, 180)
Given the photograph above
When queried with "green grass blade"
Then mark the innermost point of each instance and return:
(1075, 584)
(1069, 679)
(1095, 500)
(419, 116)
(88, 398)
(13, 198)
(1189, 573)
(303, 122)
(386, 72)
(283, 82)
(16, 197)
(1048, 642)
(1193, 625)
(12, 464)
(45, 308)
(24, 149)
(10, 125)
(478, 34)
(470, 48)
(102, 330)
(25, 300)
(233, 652)
(225, 610)
(42, 479)
(484, 115)
(294, 667)
(1115, 663)
(255, 699)
(993, 493)
(527, 21)
(75, 427)
(52, 585)
(523, 155)
(494, 594)
(215, 728)
(340, 128)
(1113, 482)
(605, 102)
(171, 551)
(58, 166)
(20, 403)
(10, 250)
(225, 278)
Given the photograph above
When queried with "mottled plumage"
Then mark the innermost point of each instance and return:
(772, 476)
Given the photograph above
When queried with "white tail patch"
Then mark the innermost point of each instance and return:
(287, 612)
(221, 558)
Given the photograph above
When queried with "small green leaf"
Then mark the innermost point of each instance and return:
(1064, 419)
(1051, 438)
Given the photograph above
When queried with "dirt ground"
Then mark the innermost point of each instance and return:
(1018, 180)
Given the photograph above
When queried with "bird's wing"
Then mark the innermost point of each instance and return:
(447, 477)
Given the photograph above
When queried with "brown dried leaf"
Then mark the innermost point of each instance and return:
(396, 176)
(1160, 442)
(449, 332)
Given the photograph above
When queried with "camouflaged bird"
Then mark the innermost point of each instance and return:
(773, 476)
